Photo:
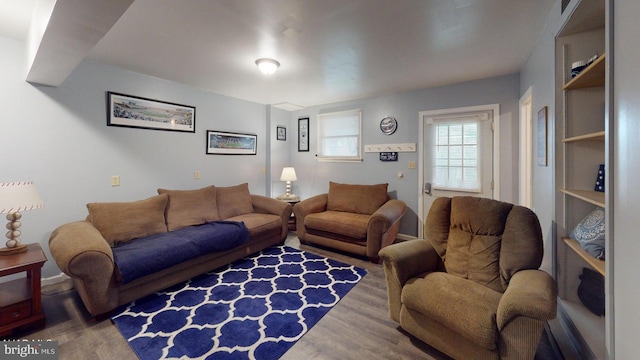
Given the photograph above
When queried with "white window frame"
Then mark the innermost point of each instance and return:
(453, 121)
(321, 136)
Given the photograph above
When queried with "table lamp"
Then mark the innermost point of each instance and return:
(14, 198)
(288, 175)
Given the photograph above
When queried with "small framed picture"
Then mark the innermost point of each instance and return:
(281, 133)
(303, 134)
(542, 137)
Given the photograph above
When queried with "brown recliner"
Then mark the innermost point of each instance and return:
(472, 288)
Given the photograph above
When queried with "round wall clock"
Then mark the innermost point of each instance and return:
(388, 125)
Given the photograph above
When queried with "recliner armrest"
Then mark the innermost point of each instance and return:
(409, 259)
(401, 262)
(531, 293)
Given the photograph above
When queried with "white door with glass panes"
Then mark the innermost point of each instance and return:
(457, 154)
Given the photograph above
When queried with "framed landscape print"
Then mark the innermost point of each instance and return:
(303, 134)
(230, 143)
(137, 112)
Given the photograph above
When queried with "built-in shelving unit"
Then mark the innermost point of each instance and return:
(591, 76)
(593, 197)
(580, 150)
(596, 264)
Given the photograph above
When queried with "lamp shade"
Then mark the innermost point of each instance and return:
(288, 174)
(19, 196)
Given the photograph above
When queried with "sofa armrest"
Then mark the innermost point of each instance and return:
(403, 261)
(314, 204)
(383, 226)
(81, 252)
(531, 293)
(72, 242)
(267, 205)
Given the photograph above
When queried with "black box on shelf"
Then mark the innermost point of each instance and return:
(600, 179)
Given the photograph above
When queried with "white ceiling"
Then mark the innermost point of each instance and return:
(329, 50)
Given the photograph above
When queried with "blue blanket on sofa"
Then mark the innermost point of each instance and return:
(144, 256)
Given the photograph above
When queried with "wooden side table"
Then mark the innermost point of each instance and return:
(20, 299)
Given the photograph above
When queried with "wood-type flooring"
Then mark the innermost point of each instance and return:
(358, 327)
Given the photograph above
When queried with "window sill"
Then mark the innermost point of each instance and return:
(331, 159)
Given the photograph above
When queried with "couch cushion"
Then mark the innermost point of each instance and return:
(190, 207)
(123, 221)
(359, 199)
(233, 201)
(343, 223)
(151, 254)
(463, 306)
(260, 224)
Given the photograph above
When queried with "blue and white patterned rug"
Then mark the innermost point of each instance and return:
(255, 308)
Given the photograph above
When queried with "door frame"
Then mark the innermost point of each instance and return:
(496, 151)
(525, 190)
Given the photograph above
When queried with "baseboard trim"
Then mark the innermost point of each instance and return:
(54, 279)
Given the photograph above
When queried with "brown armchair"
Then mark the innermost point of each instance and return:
(472, 288)
(359, 219)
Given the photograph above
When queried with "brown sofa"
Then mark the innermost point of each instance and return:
(472, 288)
(359, 219)
(83, 249)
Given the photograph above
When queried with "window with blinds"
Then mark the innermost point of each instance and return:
(339, 136)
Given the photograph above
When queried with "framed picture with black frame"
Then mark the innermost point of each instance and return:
(138, 112)
(281, 133)
(231, 143)
(303, 134)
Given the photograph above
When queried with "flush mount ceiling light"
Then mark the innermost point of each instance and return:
(267, 66)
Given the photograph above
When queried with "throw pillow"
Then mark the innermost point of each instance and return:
(190, 207)
(123, 221)
(591, 291)
(590, 233)
(359, 199)
(233, 201)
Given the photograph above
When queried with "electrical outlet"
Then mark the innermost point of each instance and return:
(196, 175)
(115, 180)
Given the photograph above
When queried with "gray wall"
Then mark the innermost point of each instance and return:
(314, 176)
(280, 150)
(58, 138)
(539, 74)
